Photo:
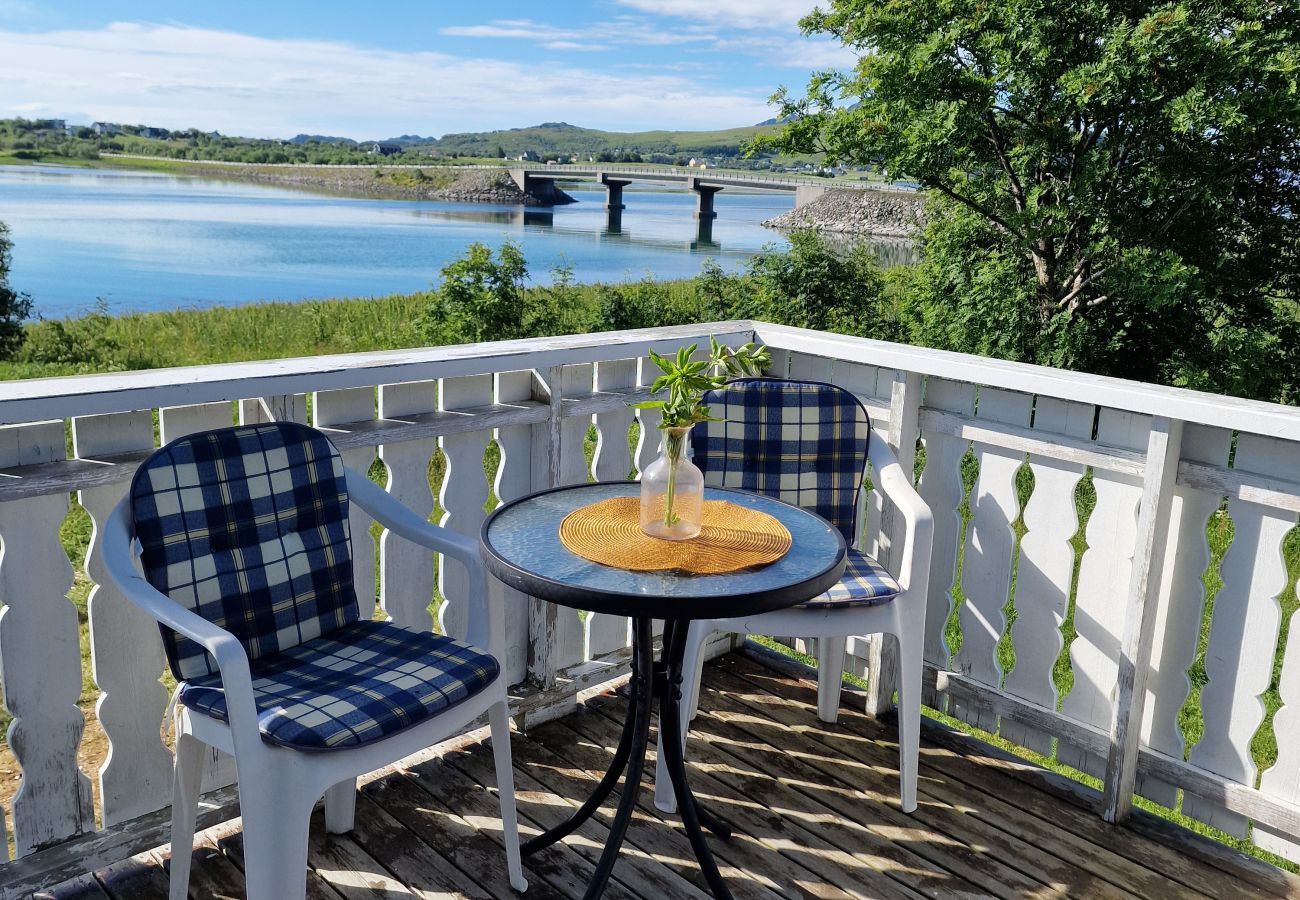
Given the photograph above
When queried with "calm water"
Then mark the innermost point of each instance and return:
(147, 241)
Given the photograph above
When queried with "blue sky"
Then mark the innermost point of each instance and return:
(379, 69)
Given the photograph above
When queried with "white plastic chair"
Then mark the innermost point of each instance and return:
(807, 443)
(280, 783)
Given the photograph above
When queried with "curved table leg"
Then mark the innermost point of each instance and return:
(642, 668)
(616, 767)
(670, 722)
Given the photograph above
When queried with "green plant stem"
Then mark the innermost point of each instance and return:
(673, 450)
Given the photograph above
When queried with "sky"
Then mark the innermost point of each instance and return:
(380, 69)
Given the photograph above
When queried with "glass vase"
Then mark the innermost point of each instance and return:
(672, 490)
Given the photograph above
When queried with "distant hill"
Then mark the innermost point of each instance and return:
(561, 138)
(319, 139)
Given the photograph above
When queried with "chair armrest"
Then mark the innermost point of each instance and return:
(399, 519)
(918, 535)
(232, 661)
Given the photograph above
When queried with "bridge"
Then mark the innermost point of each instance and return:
(540, 181)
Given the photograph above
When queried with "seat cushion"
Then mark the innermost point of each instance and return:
(362, 682)
(865, 583)
(800, 441)
(248, 527)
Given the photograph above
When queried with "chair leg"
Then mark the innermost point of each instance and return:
(692, 674)
(341, 807)
(185, 809)
(276, 810)
(830, 676)
(499, 722)
(911, 649)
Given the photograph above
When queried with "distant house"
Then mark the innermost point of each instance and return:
(106, 129)
(384, 148)
(156, 134)
(528, 156)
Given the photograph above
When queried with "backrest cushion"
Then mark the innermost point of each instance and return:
(799, 441)
(247, 527)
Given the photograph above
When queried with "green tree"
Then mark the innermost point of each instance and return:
(480, 297)
(14, 307)
(1116, 185)
(817, 285)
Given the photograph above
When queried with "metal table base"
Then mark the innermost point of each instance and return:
(629, 761)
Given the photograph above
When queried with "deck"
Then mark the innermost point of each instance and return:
(818, 820)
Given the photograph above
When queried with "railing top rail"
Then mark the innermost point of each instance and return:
(51, 398)
(1251, 416)
(80, 395)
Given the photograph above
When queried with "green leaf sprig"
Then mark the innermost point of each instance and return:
(687, 380)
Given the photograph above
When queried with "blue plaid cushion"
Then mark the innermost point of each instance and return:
(802, 442)
(363, 682)
(865, 583)
(248, 528)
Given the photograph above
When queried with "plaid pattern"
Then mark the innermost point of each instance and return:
(804, 443)
(865, 583)
(363, 682)
(248, 528)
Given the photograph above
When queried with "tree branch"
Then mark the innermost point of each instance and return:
(983, 211)
(1068, 299)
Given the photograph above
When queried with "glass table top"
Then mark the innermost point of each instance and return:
(521, 545)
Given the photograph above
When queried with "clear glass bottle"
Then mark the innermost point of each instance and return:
(672, 490)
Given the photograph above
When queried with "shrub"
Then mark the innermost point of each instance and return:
(14, 306)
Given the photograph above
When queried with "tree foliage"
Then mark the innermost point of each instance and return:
(14, 307)
(1117, 183)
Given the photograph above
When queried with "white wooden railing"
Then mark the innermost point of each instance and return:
(1161, 462)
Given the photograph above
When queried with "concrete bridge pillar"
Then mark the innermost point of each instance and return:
(613, 190)
(703, 198)
(520, 177)
(807, 193)
(703, 234)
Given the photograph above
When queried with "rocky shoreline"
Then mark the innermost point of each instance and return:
(402, 184)
(892, 213)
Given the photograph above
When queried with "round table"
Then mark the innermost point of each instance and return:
(521, 546)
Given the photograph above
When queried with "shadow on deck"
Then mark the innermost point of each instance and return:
(814, 808)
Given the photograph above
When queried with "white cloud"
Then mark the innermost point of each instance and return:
(624, 30)
(178, 77)
(511, 28)
(774, 14)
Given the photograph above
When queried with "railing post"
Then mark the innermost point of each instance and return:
(1163, 449)
(904, 428)
(543, 617)
(40, 657)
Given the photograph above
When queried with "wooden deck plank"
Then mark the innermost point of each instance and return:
(1037, 793)
(878, 865)
(83, 887)
(140, 877)
(814, 808)
(637, 869)
(460, 808)
(466, 838)
(831, 751)
(814, 866)
(863, 740)
(1162, 845)
(569, 753)
(411, 860)
(929, 832)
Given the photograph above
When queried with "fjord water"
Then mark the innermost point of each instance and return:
(148, 241)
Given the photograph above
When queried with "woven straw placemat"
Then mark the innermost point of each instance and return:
(731, 538)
